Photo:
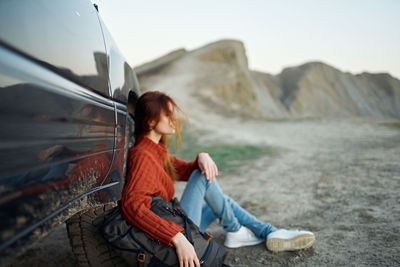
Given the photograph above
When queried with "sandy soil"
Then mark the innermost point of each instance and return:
(337, 178)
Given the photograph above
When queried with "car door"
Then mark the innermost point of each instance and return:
(57, 135)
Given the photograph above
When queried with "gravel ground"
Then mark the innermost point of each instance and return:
(337, 178)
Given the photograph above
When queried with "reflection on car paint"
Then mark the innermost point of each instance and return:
(64, 89)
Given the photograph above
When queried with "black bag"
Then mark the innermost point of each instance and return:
(138, 248)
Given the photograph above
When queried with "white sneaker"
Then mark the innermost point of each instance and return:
(243, 237)
(289, 240)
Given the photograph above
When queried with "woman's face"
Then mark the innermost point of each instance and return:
(165, 124)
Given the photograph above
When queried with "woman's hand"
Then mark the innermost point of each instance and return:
(207, 166)
(185, 251)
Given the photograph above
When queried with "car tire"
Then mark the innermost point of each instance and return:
(88, 244)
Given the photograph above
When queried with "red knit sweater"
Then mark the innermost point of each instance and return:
(146, 178)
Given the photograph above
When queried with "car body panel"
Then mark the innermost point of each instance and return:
(55, 144)
(65, 128)
(122, 78)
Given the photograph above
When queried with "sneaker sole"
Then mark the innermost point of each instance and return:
(242, 244)
(302, 241)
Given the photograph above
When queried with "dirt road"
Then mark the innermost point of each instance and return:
(337, 178)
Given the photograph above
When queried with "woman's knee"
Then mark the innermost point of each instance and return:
(198, 177)
(196, 172)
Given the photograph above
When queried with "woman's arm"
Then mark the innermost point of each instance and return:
(185, 251)
(207, 166)
(203, 161)
(183, 168)
(136, 201)
(137, 212)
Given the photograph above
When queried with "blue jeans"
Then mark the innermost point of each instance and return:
(204, 202)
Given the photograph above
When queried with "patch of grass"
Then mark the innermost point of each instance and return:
(395, 125)
(228, 157)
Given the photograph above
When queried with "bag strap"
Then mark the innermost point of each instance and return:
(187, 222)
(188, 233)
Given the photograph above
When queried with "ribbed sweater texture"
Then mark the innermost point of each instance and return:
(146, 177)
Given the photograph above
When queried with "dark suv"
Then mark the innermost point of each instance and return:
(65, 92)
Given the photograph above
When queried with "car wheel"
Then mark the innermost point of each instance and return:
(88, 244)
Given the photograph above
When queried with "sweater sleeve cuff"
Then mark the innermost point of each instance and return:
(174, 231)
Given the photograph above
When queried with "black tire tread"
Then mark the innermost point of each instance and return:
(88, 245)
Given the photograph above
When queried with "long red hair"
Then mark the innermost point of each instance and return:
(148, 109)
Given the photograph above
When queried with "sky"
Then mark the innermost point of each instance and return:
(351, 35)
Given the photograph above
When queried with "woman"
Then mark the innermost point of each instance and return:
(152, 171)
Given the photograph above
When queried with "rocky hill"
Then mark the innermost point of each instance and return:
(217, 76)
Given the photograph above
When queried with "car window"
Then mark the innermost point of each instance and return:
(64, 36)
